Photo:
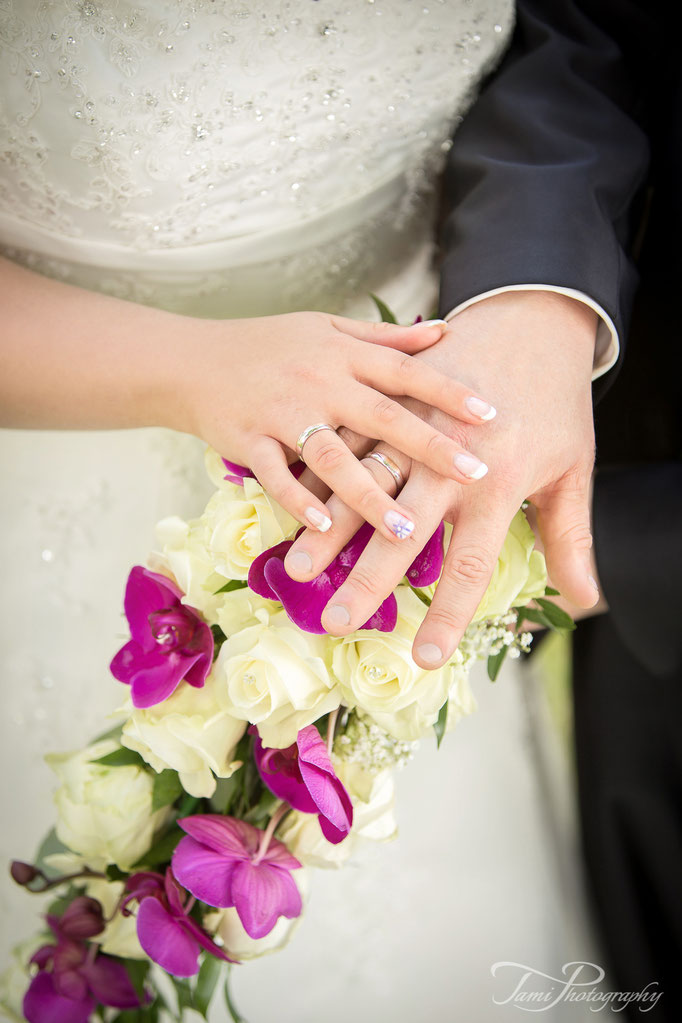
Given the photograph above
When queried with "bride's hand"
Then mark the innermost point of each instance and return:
(256, 384)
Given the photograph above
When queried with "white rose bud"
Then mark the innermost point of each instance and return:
(277, 677)
(378, 675)
(191, 733)
(104, 813)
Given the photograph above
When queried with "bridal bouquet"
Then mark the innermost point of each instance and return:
(253, 746)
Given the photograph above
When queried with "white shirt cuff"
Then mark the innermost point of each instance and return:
(607, 345)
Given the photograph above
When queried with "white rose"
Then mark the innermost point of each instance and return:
(185, 559)
(104, 813)
(461, 700)
(191, 733)
(240, 523)
(15, 979)
(377, 674)
(276, 677)
(242, 608)
(226, 925)
(373, 799)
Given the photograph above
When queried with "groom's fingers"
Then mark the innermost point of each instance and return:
(382, 564)
(476, 541)
(563, 515)
(313, 551)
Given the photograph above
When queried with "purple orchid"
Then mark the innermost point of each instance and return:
(165, 930)
(226, 862)
(302, 774)
(72, 977)
(170, 642)
(238, 473)
(304, 602)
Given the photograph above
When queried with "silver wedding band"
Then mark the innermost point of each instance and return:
(387, 464)
(307, 434)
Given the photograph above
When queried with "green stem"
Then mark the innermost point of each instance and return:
(235, 1015)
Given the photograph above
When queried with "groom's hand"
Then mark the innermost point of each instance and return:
(531, 354)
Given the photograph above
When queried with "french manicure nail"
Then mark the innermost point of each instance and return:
(432, 323)
(481, 408)
(299, 562)
(398, 524)
(470, 466)
(430, 653)
(337, 614)
(593, 583)
(317, 520)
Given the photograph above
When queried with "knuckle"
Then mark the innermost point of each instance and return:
(385, 410)
(434, 444)
(362, 582)
(448, 617)
(366, 500)
(468, 568)
(329, 457)
(405, 367)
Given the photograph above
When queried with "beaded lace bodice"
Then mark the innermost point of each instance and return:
(174, 140)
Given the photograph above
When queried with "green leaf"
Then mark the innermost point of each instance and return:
(188, 805)
(225, 791)
(233, 584)
(262, 811)
(209, 975)
(235, 1015)
(184, 992)
(533, 614)
(559, 618)
(422, 596)
(49, 845)
(551, 592)
(161, 851)
(59, 905)
(439, 727)
(384, 312)
(121, 758)
(137, 969)
(114, 874)
(495, 662)
(166, 789)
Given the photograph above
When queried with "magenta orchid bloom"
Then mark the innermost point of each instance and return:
(170, 642)
(73, 978)
(226, 862)
(238, 473)
(304, 602)
(166, 932)
(302, 775)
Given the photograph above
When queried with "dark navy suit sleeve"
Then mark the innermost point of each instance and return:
(542, 174)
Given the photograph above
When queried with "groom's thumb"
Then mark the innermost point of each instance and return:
(564, 525)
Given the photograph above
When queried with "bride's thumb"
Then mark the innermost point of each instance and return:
(410, 340)
(563, 518)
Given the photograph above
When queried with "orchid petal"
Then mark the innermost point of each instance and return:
(428, 565)
(256, 579)
(125, 662)
(158, 676)
(71, 984)
(262, 893)
(303, 602)
(289, 787)
(385, 617)
(109, 980)
(146, 592)
(278, 855)
(165, 940)
(42, 1003)
(236, 473)
(226, 835)
(200, 935)
(204, 872)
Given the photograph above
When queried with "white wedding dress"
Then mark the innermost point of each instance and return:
(231, 158)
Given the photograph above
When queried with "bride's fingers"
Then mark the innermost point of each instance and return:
(358, 445)
(354, 484)
(394, 373)
(269, 464)
(414, 338)
(311, 553)
(373, 414)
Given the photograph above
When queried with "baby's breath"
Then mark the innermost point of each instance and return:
(361, 741)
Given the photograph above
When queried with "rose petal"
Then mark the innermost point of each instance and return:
(262, 893)
(165, 940)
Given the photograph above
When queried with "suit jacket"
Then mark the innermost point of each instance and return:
(568, 171)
